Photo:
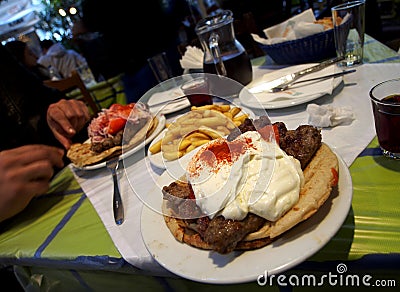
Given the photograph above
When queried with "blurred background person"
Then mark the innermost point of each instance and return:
(24, 54)
(130, 39)
(63, 60)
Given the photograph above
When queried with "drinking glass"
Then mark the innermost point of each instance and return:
(197, 91)
(348, 28)
(385, 98)
(160, 67)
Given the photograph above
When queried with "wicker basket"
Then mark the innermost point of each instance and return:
(313, 48)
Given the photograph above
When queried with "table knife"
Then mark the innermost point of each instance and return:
(290, 78)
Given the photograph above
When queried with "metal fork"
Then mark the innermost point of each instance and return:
(118, 208)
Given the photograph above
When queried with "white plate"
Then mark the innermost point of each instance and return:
(165, 96)
(292, 248)
(295, 95)
(157, 159)
(157, 130)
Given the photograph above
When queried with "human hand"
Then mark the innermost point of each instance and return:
(65, 118)
(25, 172)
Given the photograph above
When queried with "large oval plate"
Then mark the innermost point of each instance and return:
(295, 95)
(292, 248)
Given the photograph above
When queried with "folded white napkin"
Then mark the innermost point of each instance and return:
(192, 59)
(166, 96)
(324, 116)
(299, 26)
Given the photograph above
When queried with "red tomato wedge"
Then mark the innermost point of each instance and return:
(118, 115)
(266, 133)
(116, 125)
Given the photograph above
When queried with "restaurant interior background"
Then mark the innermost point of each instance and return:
(34, 20)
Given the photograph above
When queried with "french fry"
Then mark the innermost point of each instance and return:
(241, 118)
(237, 123)
(224, 130)
(169, 147)
(234, 111)
(200, 142)
(190, 148)
(224, 107)
(156, 147)
(203, 107)
(168, 138)
(230, 125)
(212, 122)
(210, 132)
(184, 144)
(198, 136)
(173, 155)
(228, 115)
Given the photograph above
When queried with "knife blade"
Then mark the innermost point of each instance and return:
(320, 78)
(290, 78)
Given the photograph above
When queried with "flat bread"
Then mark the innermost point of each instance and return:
(81, 154)
(321, 176)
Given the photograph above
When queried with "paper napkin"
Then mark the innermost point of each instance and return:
(164, 97)
(324, 116)
(299, 26)
(192, 59)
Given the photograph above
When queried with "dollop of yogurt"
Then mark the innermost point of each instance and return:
(245, 175)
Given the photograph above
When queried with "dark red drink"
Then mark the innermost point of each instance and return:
(199, 99)
(238, 68)
(197, 91)
(387, 124)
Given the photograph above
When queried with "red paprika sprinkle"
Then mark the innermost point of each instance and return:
(223, 152)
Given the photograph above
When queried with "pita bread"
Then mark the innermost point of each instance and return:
(81, 154)
(320, 175)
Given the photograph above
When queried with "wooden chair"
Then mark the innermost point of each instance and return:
(71, 83)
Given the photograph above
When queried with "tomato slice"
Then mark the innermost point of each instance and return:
(266, 133)
(118, 114)
(115, 125)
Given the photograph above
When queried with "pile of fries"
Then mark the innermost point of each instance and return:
(197, 127)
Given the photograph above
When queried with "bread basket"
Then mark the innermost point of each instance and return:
(313, 48)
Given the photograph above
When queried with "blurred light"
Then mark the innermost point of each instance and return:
(57, 36)
(73, 10)
(62, 12)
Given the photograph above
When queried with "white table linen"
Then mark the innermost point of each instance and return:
(346, 140)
